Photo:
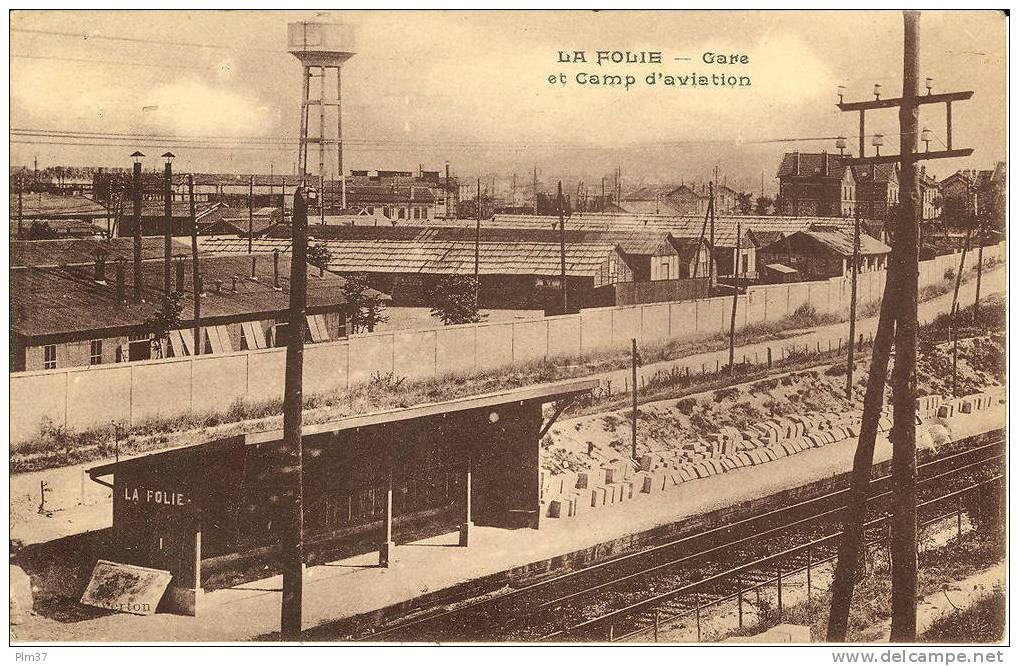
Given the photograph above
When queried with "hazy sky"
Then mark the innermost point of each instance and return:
(434, 85)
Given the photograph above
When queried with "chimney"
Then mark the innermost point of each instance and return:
(796, 155)
(100, 274)
(825, 155)
(180, 275)
(276, 268)
(201, 286)
(218, 286)
(120, 280)
(233, 285)
(253, 269)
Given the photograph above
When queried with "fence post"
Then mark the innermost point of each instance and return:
(612, 631)
(780, 593)
(697, 612)
(809, 586)
(657, 621)
(769, 357)
(958, 517)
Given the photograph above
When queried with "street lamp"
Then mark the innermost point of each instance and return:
(137, 157)
(877, 91)
(930, 84)
(840, 143)
(842, 92)
(926, 136)
(877, 142)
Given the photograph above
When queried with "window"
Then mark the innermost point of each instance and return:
(665, 270)
(417, 213)
(139, 347)
(403, 213)
(612, 269)
(95, 352)
(49, 360)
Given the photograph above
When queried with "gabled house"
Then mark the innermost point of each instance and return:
(815, 185)
(877, 190)
(823, 251)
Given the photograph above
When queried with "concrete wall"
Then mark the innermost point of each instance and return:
(132, 393)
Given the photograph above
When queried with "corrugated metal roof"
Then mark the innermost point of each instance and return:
(47, 301)
(442, 257)
(64, 252)
(841, 241)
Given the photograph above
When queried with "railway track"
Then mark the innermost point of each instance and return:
(630, 594)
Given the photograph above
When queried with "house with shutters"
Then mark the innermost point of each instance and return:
(78, 307)
(815, 185)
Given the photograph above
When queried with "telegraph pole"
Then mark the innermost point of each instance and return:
(903, 435)
(735, 299)
(562, 248)
(251, 209)
(711, 232)
(980, 269)
(292, 468)
(899, 320)
(196, 275)
(322, 199)
(477, 247)
(535, 189)
(18, 180)
(136, 200)
(851, 351)
(634, 362)
(167, 222)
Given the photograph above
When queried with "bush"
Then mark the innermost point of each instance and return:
(686, 406)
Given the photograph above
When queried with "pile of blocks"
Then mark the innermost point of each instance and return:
(612, 481)
(968, 404)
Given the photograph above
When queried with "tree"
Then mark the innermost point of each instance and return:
(365, 306)
(319, 256)
(779, 205)
(455, 301)
(762, 205)
(165, 319)
(744, 203)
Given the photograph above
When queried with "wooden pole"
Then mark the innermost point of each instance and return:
(292, 468)
(136, 200)
(167, 227)
(903, 435)
(851, 348)
(251, 211)
(562, 248)
(633, 412)
(477, 247)
(711, 233)
(196, 275)
(735, 299)
(851, 545)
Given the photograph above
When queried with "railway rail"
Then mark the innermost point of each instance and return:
(632, 594)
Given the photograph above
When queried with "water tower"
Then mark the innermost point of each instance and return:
(321, 46)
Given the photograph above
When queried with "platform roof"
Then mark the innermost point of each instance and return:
(541, 392)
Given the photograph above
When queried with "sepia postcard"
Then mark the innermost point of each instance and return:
(514, 327)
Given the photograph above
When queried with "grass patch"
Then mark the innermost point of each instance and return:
(983, 622)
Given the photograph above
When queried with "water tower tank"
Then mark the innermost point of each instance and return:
(320, 44)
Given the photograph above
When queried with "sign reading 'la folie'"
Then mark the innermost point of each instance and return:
(162, 497)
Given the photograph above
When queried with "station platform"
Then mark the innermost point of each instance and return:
(356, 585)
